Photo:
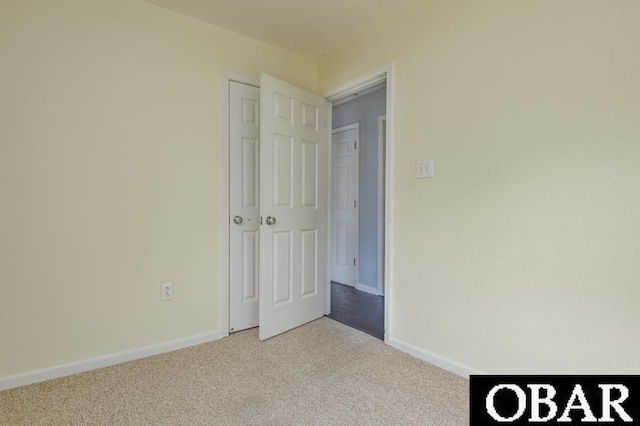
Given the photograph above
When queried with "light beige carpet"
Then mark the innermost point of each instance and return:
(323, 373)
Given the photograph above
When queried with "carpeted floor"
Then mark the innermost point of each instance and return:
(323, 373)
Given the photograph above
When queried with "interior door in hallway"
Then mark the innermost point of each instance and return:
(344, 207)
(293, 188)
(244, 203)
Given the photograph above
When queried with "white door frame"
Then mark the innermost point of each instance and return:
(353, 126)
(355, 85)
(382, 125)
(337, 93)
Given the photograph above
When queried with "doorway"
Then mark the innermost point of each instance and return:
(358, 180)
(277, 188)
(343, 91)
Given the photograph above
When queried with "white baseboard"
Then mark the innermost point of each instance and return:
(367, 289)
(435, 359)
(69, 369)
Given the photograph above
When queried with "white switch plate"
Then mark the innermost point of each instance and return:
(424, 169)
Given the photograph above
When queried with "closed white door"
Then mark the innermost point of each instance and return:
(244, 203)
(293, 182)
(344, 212)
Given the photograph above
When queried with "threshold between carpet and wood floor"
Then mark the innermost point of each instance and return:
(321, 373)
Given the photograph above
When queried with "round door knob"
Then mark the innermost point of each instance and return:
(237, 220)
(271, 220)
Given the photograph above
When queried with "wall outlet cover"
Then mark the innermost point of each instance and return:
(166, 291)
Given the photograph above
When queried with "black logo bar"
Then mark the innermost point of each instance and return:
(524, 400)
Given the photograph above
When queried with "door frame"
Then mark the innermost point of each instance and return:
(227, 78)
(353, 126)
(340, 92)
(362, 82)
(382, 141)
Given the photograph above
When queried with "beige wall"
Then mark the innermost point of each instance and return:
(521, 255)
(110, 171)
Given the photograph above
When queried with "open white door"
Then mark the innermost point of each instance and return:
(293, 188)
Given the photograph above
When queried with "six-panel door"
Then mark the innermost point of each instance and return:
(293, 187)
(244, 205)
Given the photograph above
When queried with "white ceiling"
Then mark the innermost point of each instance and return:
(312, 27)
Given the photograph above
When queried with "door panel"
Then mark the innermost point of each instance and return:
(343, 238)
(282, 265)
(344, 213)
(282, 168)
(244, 151)
(343, 186)
(293, 187)
(309, 174)
(309, 254)
(250, 263)
(250, 161)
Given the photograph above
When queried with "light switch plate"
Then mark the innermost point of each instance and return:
(424, 169)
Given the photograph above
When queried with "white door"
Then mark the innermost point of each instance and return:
(244, 198)
(344, 214)
(293, 183)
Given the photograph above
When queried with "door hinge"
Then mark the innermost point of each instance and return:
(354, 204)
(260, 220)
(354, 261)
(355, 144)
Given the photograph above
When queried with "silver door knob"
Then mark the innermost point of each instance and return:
(271, 220)
(237, 220)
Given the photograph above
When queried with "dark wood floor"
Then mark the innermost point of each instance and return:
(357, 309)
